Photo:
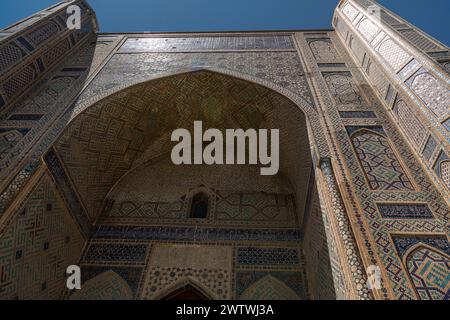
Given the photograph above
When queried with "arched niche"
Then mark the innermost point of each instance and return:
(106, 286)
(429, 272)
(269, 288)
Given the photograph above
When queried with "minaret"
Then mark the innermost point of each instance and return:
(410, 71)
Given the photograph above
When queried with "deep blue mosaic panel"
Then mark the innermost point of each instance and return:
(404, 242)
(357, 114)
(196, 234)
(351, 129)
(267, 256)
(404, 211)
(118, 252)
(429, 148)
(26, 117)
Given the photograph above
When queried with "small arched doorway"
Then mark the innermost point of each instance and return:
(187, 292)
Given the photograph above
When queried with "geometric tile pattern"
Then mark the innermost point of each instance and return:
(445, 173)
(343, 88)
(414, 127)
(256, 207)
(368, 29)
(435, 96)
(430, 272)
(323, 49)
(379, 162)
(104, 142)
(359, 194)
(162, 278)
(195, 233)
(357, 114)
(67, 191)
(40, 241)
(119, 252)
(429, 149)
(395, 56)
(404, 243)
(9, 138)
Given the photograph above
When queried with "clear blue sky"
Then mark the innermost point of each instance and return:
(208, 15)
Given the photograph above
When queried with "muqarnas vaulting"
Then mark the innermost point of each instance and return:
(86, 177)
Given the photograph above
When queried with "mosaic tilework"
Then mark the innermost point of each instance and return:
(171, 266)
(379, 162)
(368, 29)
(237, 196)
(9, 138)
(323, 49)
(403, 243)
(39, 242)
(430, 272)
(435, 96)
(265, 256)
(447, 124)
(357, 114)
(43, 48)
(442, 158)
(120, 252)
(355, 187)
(256, 285)
(404, 211)
(445, 173)
(395, 56)
(413, 126)
(106, 286)
(429, 149)
(50, 101)
(207, 43)
(322, 265)
(275, 67)
(10, 54)
(119, 139)
(407, 71)
(343, 88)
(256, 207)
(17, 184)
(22, 79)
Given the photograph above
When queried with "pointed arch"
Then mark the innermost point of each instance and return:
(269, 288)
(105, 286)
(186, 283)
(114, 128)
(429, 271)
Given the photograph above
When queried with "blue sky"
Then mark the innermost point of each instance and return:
(215, 15)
